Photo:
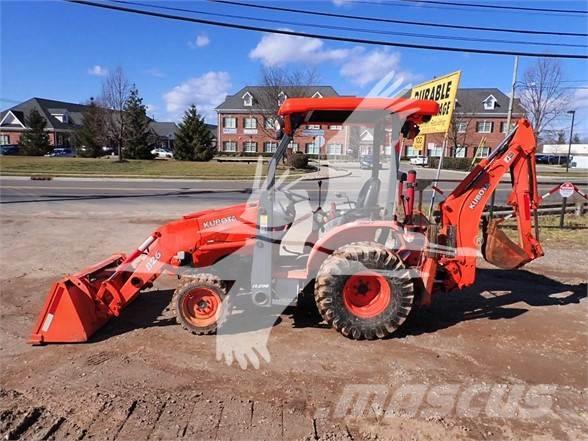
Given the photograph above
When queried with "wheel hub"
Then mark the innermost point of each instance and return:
(367, 295)
(201, 306)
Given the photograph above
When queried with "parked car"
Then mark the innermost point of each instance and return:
(62, 152)
(162, 154)
(419, 160)
(9, 149)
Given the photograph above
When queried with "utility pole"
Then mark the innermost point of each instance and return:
(508, 117)
(573, 112)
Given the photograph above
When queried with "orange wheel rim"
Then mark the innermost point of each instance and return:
(366, 295)
(201, 307)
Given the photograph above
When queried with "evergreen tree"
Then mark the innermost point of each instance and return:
(576, 139)
(138, 137)
(35, 140)
(193, 140)
(92, 134)
(561, 137)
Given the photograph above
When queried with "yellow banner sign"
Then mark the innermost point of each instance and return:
(418, 143)
(443, 90)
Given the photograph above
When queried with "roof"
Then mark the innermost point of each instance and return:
(46, 108)
(235, 102)
(164, 129)
(471, 100)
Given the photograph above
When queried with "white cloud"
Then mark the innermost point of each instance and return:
(363, 67)
(580, 99)
(155, 72)
(279, 49)
(151, 108)
(206, 92)
(200, 41)
(341, 2)
(98, 71)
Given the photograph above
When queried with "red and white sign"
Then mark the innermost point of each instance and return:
(566, 189)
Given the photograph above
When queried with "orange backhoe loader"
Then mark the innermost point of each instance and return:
(365, 262)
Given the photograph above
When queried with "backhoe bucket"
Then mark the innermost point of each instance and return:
(499, 250)
(72, 312)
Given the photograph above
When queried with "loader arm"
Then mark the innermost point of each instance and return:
(461, 212)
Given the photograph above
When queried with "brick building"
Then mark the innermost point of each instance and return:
(246, 124)
(480, 115)
(63, 119)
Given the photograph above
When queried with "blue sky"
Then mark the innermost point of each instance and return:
(62, 51)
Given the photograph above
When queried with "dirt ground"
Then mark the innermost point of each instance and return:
(143, 377)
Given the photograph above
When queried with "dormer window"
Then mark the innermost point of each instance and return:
(60, 115)
(489, 103)
(281, 98)
(247, 99)
(317, 94)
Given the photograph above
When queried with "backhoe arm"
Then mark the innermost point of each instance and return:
(461, 212)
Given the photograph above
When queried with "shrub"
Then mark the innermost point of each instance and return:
(453, 163)
(298, 160)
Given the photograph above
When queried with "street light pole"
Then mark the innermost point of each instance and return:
(573, 112)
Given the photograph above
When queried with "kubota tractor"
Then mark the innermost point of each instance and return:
(366, 260)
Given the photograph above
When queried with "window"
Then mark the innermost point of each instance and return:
(229, 146)
(313, 127)
(312, 149)
(4, 139)
(434, 149)
(411, 151)
(247, 99)
(230, 122)
(281, 98)
(484, 126)
(270, 123)
(462, 127)
(503, 126)
(250, 123)
(490, 103)
(250, 147)
(293, 146)
(460, 151)
(387, 150)
(270, 147)
(335, 127)
(335, 149)
(482, 152)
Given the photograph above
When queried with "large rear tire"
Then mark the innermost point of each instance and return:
(198, 303)
(364, 290)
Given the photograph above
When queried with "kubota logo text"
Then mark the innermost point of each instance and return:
(478, 196)
(221, 221)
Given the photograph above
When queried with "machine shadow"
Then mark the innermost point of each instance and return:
(144, 312)
(504, 289)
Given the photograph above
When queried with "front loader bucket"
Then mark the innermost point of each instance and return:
(499, 250)
(72, 312)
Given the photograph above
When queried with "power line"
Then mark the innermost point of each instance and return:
(347, 28)
(499, 7)
(405, 22)
(325, 37)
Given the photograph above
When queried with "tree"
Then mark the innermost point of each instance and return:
(35, 140)
(576, 139)
(193, 140)
(561, 137)
(460, 128)
(92, 134)
(293, 83)
(543, 96)
(138, 138)
(115, 93)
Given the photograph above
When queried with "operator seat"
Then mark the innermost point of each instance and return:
(365, 207)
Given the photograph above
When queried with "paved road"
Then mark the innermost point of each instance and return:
(185, 193)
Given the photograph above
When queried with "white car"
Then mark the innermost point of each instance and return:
(162, 154)
(419, 160)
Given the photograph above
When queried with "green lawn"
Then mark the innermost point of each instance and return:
(32, 165)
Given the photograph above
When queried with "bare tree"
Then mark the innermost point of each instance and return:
(460, 128)
(542, 95)
(115, 93)
(292, 83)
